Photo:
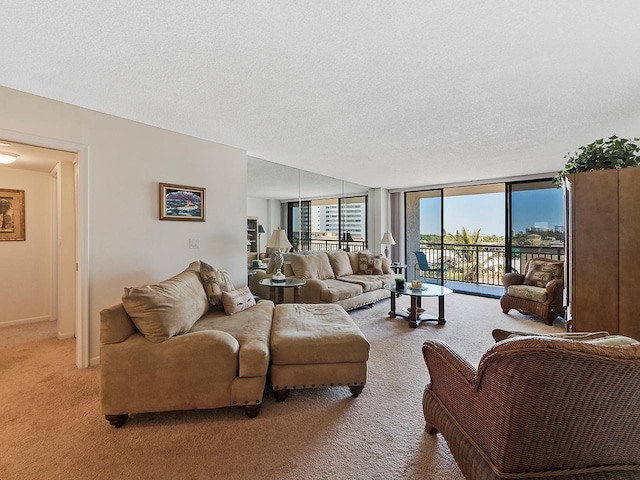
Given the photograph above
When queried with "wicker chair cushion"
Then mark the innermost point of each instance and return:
(540, 272)
(537, 294)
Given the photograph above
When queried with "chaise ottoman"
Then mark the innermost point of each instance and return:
(314, 346)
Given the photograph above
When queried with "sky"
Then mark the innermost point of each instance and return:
(486, 212)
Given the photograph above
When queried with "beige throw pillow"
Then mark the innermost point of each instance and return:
(369, 264)
(311, 266)
(340, 263)
(237, 300)
(215, 282)
(168, 308)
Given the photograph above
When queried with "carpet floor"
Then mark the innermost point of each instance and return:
(51, 425)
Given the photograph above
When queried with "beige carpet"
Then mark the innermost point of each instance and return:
(51, 426)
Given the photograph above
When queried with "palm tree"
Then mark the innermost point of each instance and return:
(464, 261)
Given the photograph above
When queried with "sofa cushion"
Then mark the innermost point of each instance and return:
(369, 264)
(215, 282)
(528, 292)
(367, 282)
(311, 266)
(237, 300)
(337, 290)
(540, 272)
(354, 259)
(251, 328)
(168, 308)
(340, 263)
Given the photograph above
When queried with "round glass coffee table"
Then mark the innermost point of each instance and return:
(276, 289)
(415, 314)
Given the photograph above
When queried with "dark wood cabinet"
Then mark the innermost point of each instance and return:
(603, 266)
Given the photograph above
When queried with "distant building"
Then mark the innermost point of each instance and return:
(324, 219)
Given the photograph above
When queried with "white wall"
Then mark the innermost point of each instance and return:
(128, 245)
(25, 265)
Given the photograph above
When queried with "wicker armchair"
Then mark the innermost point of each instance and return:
(538, 291)
(538, 407)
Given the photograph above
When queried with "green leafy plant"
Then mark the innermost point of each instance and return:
(613, 152)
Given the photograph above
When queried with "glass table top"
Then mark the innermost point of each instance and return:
(427, 290)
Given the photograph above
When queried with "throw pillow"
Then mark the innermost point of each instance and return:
(215, 282)
(237, 300)
(168, 308)
(541, 272)
(369, 264)
(340, 263)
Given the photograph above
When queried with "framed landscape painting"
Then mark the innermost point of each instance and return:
(179, 202)
(11, 215)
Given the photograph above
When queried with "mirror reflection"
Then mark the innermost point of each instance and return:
(302, 203)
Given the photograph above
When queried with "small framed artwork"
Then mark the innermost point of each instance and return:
(12, 215)
(179, 202)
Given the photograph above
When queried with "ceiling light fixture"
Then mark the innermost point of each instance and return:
(6, 157)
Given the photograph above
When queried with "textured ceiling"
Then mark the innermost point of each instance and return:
(381, 93)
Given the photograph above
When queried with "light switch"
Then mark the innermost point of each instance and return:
(194, 243)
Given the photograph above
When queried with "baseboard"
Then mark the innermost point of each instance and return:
(23, 321)
(94, 361)
(66, 336)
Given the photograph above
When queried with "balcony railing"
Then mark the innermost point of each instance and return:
(316, 244)
(482, 264)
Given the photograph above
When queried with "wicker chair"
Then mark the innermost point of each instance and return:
(538, 407)
(538, 291)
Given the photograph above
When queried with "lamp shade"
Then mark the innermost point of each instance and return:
(279, 240)
(260, 228)
(387, 239)
(347, 237)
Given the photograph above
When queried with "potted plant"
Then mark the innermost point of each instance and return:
(613, 152)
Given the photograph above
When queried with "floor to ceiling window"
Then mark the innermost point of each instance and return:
(536, 223)
(465, 232)
(328, 224)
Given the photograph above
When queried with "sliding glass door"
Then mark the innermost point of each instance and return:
(466, 232)
(535, 223)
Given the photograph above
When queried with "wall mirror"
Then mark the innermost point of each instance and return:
(271, 187)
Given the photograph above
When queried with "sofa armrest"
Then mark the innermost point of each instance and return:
(443, 363)
(512, 279)
(254, 284)
(137, 375)
(115, 325)
(554, 291)
(311, 291)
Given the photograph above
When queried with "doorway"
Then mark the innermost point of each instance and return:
(78, 263)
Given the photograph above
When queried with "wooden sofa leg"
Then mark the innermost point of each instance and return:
(356, 389)
(430, 429)
(281, 395)
(117, 420)
(252, 411)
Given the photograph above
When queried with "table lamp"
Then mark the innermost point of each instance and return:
(347, 238)
(387, 239)
(260, 232)
(278, 242)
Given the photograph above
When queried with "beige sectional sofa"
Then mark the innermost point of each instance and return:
(348, 279)
(195, 342)
(169, 347)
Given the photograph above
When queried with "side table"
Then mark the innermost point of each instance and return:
(276, 289)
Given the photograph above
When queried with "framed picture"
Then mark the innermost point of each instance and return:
(11, 214)
(179, 202)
